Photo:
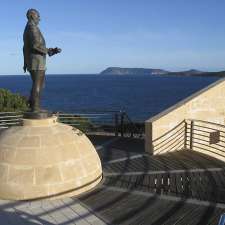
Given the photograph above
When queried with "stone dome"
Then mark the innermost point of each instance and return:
(45, 158)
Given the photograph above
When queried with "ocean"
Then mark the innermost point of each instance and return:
(140, 96)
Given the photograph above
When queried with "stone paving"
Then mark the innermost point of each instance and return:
(133, 191)
(46, 212)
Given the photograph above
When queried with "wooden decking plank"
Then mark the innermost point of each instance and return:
(165, 181)
(145, 183)
(219, 191)
(154, 212)
(157, 164)
(201, 215)
(208, 185)
(152, 184)
(172, 186)
(135, 165)
(123, 182)
(186, 184)
(133, 182)
(171, 162)
(194, 183)
(181, 215)
(221, 178)
(179, 184)
(159, 185)
(142, 183)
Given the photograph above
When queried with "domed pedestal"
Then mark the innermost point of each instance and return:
(44, 158)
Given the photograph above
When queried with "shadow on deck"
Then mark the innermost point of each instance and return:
(182, 187)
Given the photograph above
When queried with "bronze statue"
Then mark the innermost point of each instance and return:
(35, 51)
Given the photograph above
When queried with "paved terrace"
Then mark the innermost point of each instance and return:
(183, 187)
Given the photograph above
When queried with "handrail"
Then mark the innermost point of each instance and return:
(138, 131)
(193, 134)
(110, 121)
(203, 121)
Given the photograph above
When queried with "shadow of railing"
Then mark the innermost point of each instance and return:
(173, 139)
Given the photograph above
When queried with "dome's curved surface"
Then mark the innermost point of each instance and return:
(44, 158)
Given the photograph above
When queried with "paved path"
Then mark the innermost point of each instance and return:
(178, 188)
(64, 211)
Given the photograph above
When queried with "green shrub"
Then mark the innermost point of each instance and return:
(10, 102)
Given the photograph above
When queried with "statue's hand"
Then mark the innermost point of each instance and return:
(58, 50)
(24, 69)
(50, 52)
(53, 51)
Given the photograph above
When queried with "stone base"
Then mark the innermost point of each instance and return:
(44, 158)
(42, 114)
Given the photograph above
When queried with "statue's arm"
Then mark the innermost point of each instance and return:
(24, 61)
(35, 41)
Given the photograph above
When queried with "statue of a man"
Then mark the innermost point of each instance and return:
(35, 51)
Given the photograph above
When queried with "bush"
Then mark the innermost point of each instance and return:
(10, 102)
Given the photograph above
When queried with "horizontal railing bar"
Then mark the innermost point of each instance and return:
(11, 113)
(19, 116)
(209, 128)
(89, 112)
(213, 147)
(204, 131)
(202, 135)
(84, 115)
(208, 136)
(195, 138)
(10, 120)
(208, 122)
(208, 150)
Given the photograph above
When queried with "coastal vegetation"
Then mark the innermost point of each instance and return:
(12, 102)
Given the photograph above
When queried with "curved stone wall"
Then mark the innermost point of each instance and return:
(44, 158)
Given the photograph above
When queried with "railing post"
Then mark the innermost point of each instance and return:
(185, 134)
(132, 133)
(116, 120)
(191, 134)
(122, 124)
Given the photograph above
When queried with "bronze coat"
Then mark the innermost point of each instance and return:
(34, 49)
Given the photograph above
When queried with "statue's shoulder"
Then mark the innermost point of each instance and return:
(31, 27)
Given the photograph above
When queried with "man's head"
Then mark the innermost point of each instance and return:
(33, 14)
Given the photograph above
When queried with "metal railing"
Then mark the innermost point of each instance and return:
(116, 123)
(199, 135)
(8, 119)
(206, 137)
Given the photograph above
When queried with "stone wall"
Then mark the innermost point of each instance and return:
(208, 104)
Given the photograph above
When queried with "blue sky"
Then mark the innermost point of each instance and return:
(94, 34)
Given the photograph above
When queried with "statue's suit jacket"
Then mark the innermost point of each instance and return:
(34, 49)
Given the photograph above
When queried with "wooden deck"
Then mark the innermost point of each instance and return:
(183, 187)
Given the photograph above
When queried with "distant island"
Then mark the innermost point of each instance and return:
(132, 71)
(144, 71)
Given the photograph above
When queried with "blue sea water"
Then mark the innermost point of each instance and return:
(140, 96)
